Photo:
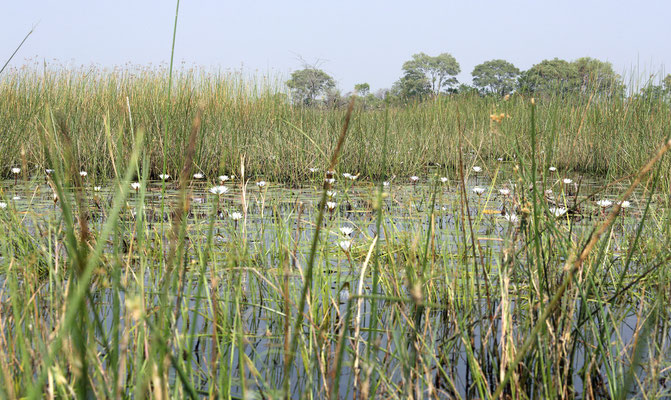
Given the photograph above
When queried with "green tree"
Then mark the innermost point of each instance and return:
(424, 74)
(309, 83)
(657, 93)
(667, 84)
(597, 76)
(334, 99)
(362, 89)
(495, 76)
(550, 77)
(412, 85)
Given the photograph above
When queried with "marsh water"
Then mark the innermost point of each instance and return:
(281, 220)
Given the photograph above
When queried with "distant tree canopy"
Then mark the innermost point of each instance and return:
(426, 75)
(309, 83)
(656, 93)
(596, 76)
(495, 76)
(412, 84)
(362, 89)
(550, 76)
(580, 76)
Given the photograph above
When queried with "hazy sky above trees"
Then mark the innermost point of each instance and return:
(352, 40)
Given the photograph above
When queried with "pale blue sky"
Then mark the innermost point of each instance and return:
(355, 41)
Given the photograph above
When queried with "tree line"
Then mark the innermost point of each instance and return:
(426, 76)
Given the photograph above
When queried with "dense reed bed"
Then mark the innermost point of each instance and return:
(431, 289)
(253, 116)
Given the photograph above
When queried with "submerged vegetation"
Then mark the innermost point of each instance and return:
(463, 247)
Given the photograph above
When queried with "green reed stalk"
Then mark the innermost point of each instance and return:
(16, 50)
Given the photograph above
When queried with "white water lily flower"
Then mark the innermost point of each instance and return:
(414, 178)
(16, 170)
(16, 198)
(345, 245)
(331, 205)
(164, 177)
(511, 218)
(504, 192)
(96, 188)
(385, 183)
(331, 193)
(558, 211)
(477, 169)
(443, 179)
(567, 181)
(218, 190)
(235, 216)
(223, 178)
(500, 158)
(198, 175)
(49, 171)
(347, 175)
(83, 173)
(478, 190)
(261, 184)
(552, 169)
(313, 169)
(346, 230)
(625, 204)
(330, 181)
(3, 204)
(135, 185)
(353, 177)
(604, 203)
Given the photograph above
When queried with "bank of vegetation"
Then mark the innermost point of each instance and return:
(598, 129)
